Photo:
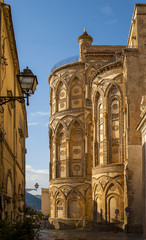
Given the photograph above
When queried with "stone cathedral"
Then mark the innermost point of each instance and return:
(95, 149)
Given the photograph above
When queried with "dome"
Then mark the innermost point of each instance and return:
(85, 36)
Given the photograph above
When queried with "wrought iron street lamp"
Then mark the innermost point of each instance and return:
(32, 189)
(28, 82)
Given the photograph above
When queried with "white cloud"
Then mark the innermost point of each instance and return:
(107, 10)
(35, 118)
(38, 114)
(30, 169)
(40, 176)
(32, 123)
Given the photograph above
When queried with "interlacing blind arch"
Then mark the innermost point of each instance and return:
(76, 93)
(61, 97)
(61, 152)
(76, 150)
(99, 128)
(114, 124)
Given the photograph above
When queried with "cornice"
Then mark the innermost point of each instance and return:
(110, 168)
(70, 180)
(108, 67)
(66, 112)
(69, 65)
(11, 35)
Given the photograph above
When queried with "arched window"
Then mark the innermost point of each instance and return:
(61, 97)
(114, 125)
(76, 94)
(61, 153)
(76, 150)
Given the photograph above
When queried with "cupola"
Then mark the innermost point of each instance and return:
(84, 41)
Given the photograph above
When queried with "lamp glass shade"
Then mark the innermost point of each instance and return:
(28, 83)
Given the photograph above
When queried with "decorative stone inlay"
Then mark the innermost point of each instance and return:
(115, 128)
(62, 105)
(76, 151)
(115, 142)
(62, 153)
(103, 182)
(114, 90)
(113, 188)
(62, 168)
(77, 135)
(77, 168)
(76, 90)
(65, 191)
(76, 102)
(115, 116)
(62, 94)
(115, 106)
(115, 150)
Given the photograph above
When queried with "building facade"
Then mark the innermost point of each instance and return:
(142, 128)
(13, 122)
(95, 149)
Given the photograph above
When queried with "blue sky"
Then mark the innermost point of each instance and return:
(46, 32)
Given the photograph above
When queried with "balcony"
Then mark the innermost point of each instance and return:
(65, 61)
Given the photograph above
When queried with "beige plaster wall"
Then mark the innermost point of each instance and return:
(45, 201)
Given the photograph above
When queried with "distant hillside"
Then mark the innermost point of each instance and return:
(39, 196)
(33, 201)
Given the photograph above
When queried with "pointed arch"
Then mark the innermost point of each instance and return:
(61, 97)
(115, 123)
(76, 149)
(75, 76)
(76, 122)
(60, 123)
(60, 151)
(89, 148)
(97, 91)
(59, 204)
(91, 71)
(75, 204)
(99, 128)
(114, 200)
(113, 85)
(98, 207)
(76, 93)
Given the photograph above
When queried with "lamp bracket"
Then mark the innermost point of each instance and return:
(6, 99)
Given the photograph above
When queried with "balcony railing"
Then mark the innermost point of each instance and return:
(65, 61)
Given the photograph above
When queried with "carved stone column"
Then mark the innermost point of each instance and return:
(67, 157)
(105, 141)
(67, 100)
(55, 157)
(94, 144)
